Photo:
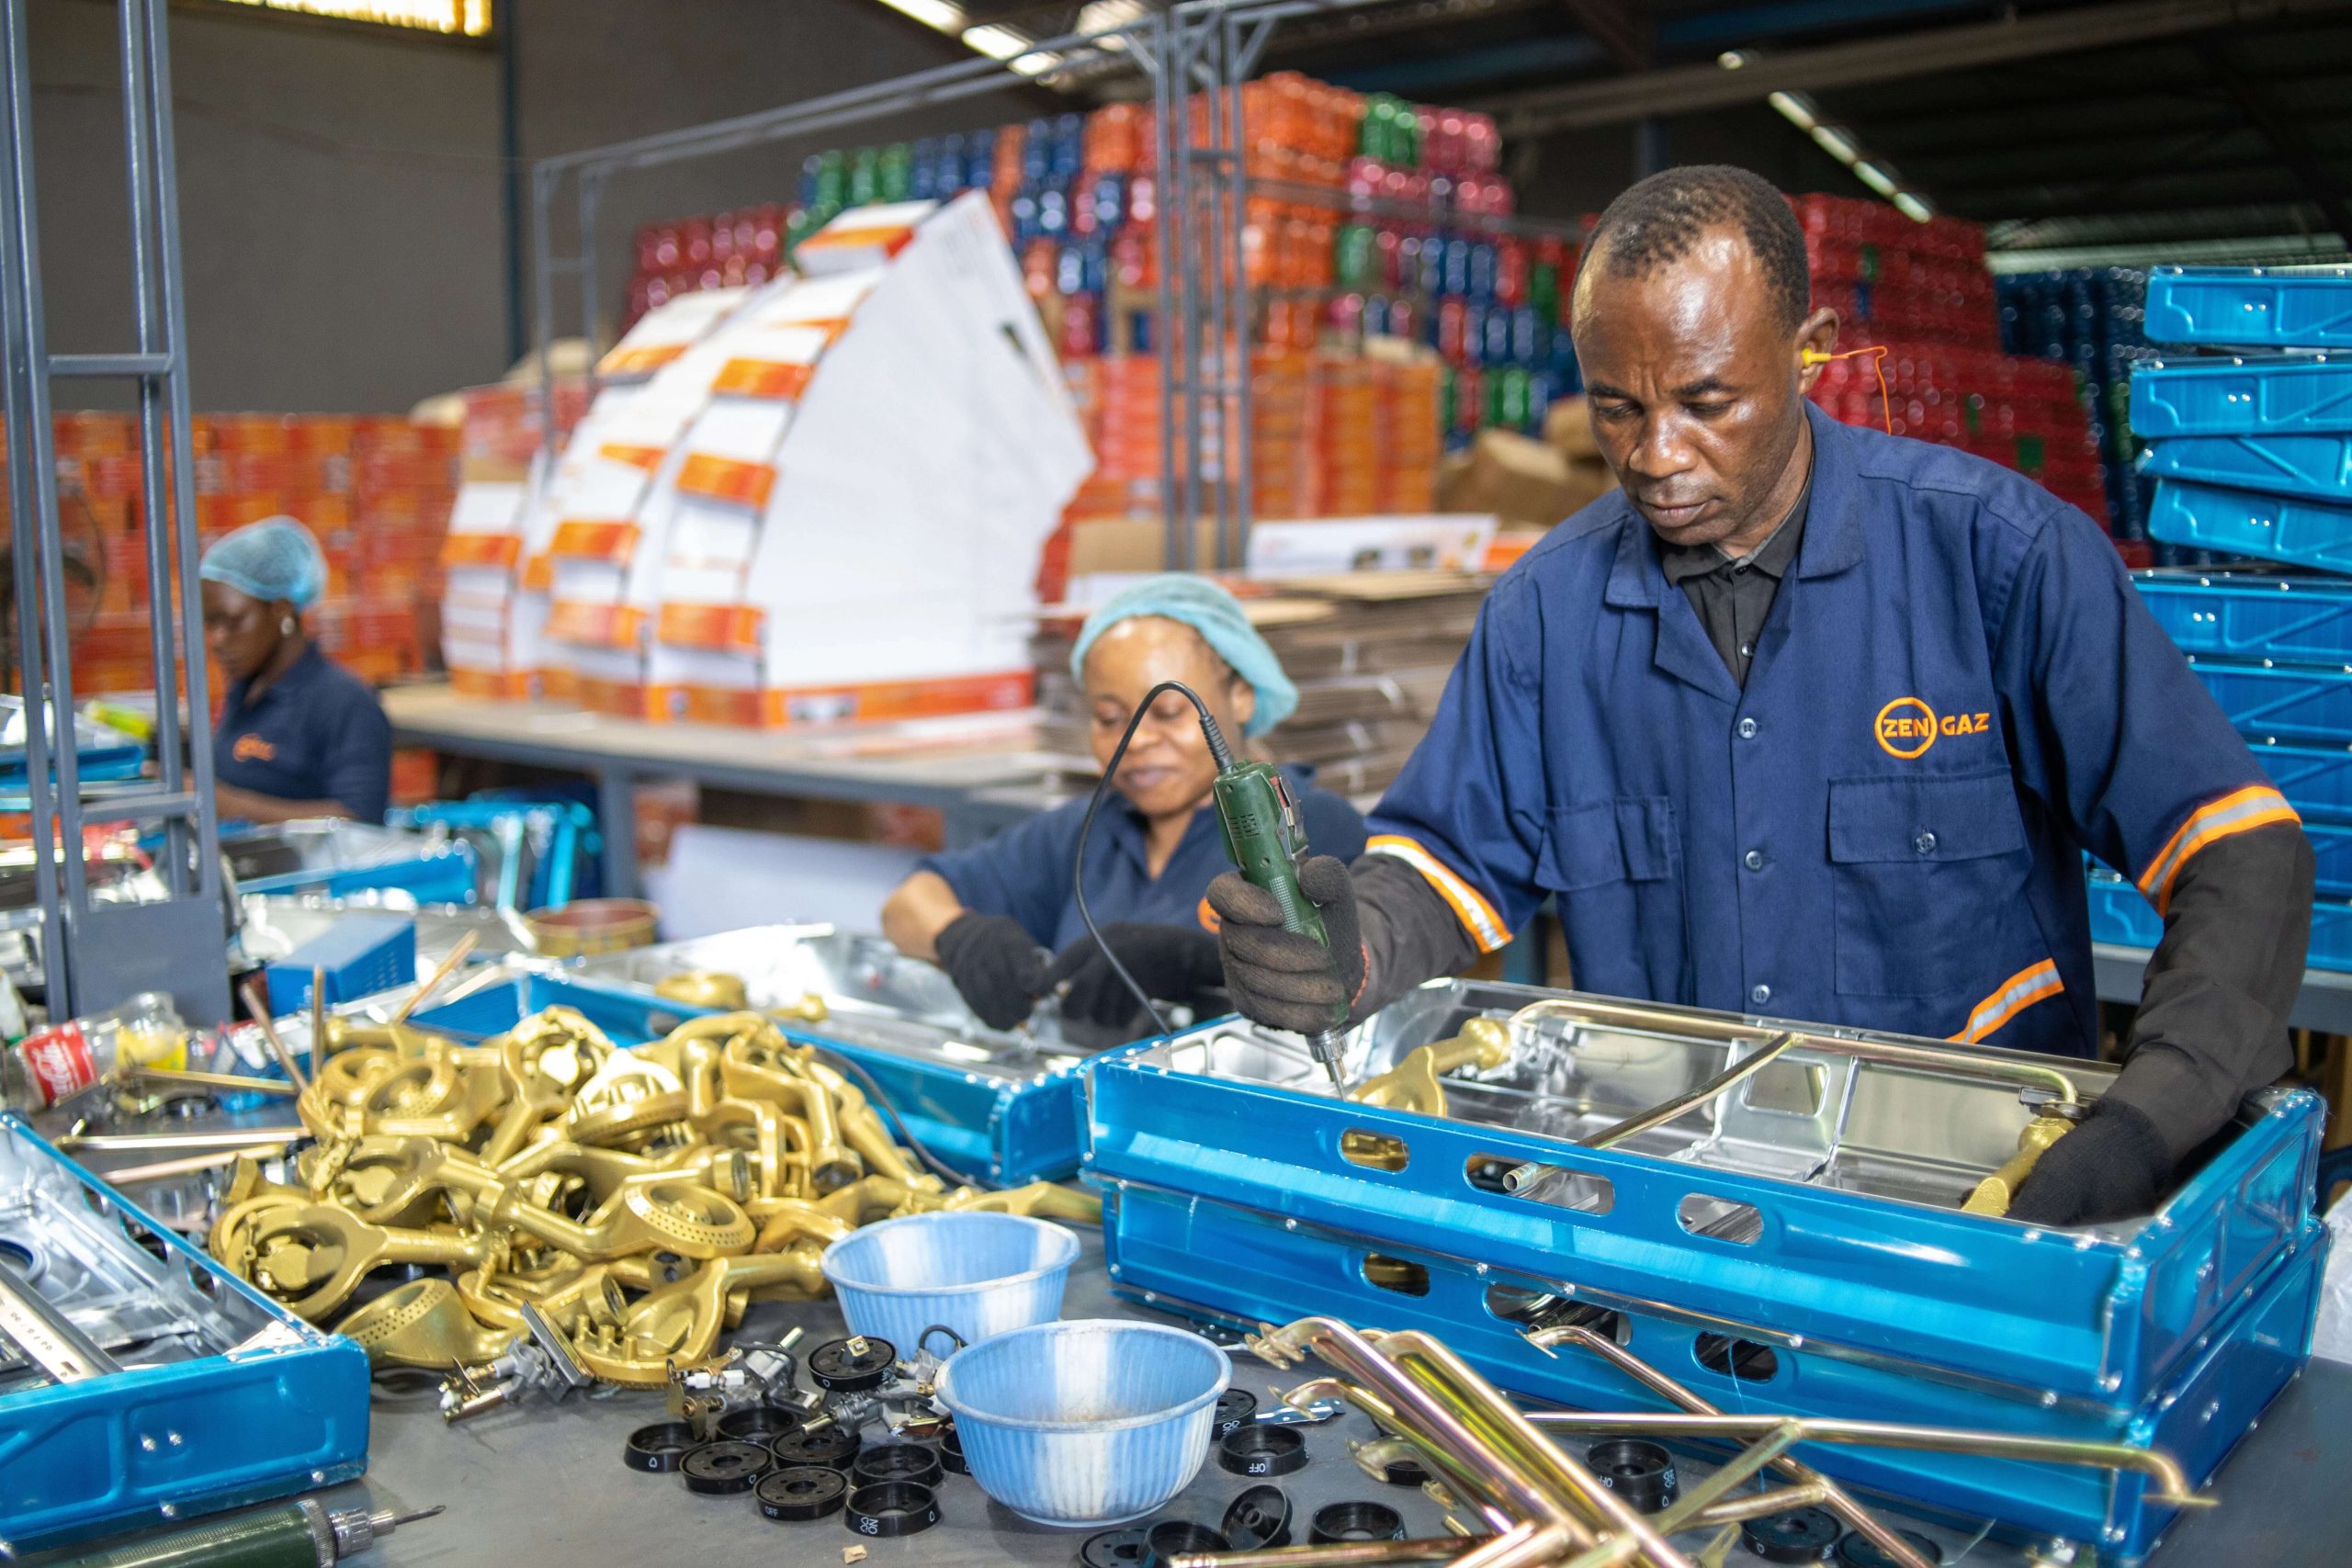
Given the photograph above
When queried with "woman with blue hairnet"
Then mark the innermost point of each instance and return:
(298, 735)
(1000, 917)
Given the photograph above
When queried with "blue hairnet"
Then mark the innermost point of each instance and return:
(273, 558)
(1217, 617)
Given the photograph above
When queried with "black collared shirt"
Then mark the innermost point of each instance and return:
(1733, 594)
(316, 733)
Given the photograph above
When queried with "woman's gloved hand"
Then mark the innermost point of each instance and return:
(1172, 964)
(2109, 1167)
(997, 967)
(1277, 978)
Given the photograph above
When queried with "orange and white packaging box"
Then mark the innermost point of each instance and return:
(667, 330)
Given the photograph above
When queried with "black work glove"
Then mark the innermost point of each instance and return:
(1283, 980)
(2111, 1166)
(1172, 964)
(997, 967)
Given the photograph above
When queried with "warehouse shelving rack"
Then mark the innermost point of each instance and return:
(1197, 49)
(97, 953)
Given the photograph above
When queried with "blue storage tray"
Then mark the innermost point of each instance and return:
(263, 1406)
(1271, 1268)
(2289, 702)
(995, 1132)
(443, 876)
(2301, 619)
(2303, 533)
(2119, 914)
(2316, 780)
(2251, 307)
(2316, 467)
(2264, 395)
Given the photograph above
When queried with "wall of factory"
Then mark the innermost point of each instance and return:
(341, 190)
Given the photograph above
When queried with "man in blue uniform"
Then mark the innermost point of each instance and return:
(1815, 722)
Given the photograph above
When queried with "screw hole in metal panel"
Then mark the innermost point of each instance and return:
(1741, 1358)
(1374, 1151)
(1720, 1219)
(1396, 1274)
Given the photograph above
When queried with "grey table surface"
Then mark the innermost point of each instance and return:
(547, 1486)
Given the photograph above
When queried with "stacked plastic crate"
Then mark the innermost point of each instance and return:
(1922, 292)
(2095, 320)
(2253, 456)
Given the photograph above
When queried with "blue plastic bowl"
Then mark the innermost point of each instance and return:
(979, 1274)
(1085, 1423)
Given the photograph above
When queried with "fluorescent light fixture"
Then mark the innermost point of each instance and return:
(1037, 64)
(996, 42)
(1836, 143)
(1795, 110)
(1733, 58)
(465, 18)
(1803, 112)
(937, 15)
(1094, 17)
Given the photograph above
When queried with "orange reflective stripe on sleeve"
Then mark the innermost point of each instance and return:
(1478, 916)
(2257, 806)
(2012, 996)
(1209, 919)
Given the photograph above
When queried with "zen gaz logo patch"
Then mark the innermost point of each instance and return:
(1906, 726)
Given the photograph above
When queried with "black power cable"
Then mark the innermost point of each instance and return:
(1219, 752)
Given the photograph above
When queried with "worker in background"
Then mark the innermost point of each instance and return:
(298, 735)
(1001, 919)
(1815, 722)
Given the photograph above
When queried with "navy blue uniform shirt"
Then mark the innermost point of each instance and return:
(1024, 872)
(318, 733)
(1955, 694)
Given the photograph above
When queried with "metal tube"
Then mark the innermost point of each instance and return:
(1175, 526)
(1899, 1551)
(2173, 1488)
(212, 1080)
(457, 955)
(27, 344)
(1973, 1062)
(193, 672)
(1683, 1104)
(257, 1003)
(1528, 1440)
(249, 1140)
(193, 1164)
(1688, 1511)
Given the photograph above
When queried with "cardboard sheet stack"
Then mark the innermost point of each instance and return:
(818, 499)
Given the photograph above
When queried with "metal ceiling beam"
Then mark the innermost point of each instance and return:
(1622, 29)
(2313, 170)
(1685, 88)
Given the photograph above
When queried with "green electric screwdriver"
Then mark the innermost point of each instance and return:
(1263, 837)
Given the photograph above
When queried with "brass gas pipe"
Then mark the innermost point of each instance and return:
(1893, 1053)
(1416, 1083)
(1455, 1443)
(1997, 1191)
(1894, 1548)
(1419, 1349)
(2173, 1488)
(1683, 1104)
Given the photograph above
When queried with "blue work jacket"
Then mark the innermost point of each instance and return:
(1957, 692)
(1024, 872)
(317, 733)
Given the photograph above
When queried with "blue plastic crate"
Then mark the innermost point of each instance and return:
(2316, 467)
(2119, 914)
(627, 1018)
(2303, 533)
(2298, 703)
(2298, 619)
(2316, 780)
(2287, 394)
(362, 954)
(2251, 307)
(224, 1400)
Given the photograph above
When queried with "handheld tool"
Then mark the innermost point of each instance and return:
(1263, 836)
(302, 1534)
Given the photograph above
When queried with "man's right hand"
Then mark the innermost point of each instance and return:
(1277, 978)
(997, 967)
